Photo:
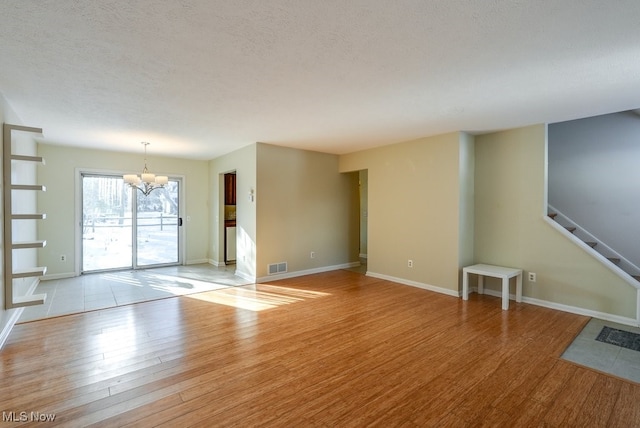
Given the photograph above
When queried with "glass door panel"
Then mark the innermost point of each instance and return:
(124, 229)
(106, 223)
(157, 226)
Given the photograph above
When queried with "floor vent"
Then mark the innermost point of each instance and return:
(277, 268)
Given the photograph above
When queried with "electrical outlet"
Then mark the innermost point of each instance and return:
(313, 254)
(532, 277)
(63, 258)
(410, 263)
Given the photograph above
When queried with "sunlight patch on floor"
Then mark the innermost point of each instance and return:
(104, 290)
(257, 298)
(177, 285)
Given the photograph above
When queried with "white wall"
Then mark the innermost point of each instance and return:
(23, 202)
(5, 316)
(594, 177)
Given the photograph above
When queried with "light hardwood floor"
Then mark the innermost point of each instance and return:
(333, 349)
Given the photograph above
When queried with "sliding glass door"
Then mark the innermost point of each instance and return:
(124, 229)
(157, 225)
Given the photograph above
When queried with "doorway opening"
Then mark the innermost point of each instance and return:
(230, 218)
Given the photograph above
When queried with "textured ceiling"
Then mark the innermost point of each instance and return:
(200, 78)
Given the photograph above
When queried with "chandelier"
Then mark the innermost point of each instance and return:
(147, 181)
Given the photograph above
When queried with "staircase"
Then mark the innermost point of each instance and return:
(612, 257)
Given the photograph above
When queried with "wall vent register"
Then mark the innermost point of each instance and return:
(276, 268)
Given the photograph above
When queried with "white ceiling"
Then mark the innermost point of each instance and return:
(200, 78)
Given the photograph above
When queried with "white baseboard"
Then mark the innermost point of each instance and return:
(566, 308)
(581, 311)
(363, 255)
(306, 272)
(251, 278)
(197, 262)
(422, 285)
(6, 330)
(64, 275)
(15, 315)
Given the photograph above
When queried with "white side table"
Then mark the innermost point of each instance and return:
(503, 273)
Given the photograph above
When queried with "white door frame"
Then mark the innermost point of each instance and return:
(78, 212)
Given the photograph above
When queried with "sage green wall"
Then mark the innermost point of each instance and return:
(60, 173)
(243, 162)
(511, 230)
(304, 204)
(414, 197)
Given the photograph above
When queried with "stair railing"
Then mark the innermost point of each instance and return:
(595, 247)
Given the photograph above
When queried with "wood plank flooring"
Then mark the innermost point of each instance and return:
(333, 349)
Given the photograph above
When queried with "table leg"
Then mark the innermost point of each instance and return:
(505, 294)
(519, 288)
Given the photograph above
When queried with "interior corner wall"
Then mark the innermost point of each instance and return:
(467, 201)
(304, 205)
(511, 228)
(63, 164)
(243, 161)
(414, 210)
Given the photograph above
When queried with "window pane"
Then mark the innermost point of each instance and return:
(106, 223)
(157, 227)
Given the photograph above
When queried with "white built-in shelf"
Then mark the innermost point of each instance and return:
(28, 216)
(26, 273)
(28, 244)
(34, 299)
(11, 301)
(36, 159)
(39, 187)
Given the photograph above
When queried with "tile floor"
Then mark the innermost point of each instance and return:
(618, 361)
(108, 289)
